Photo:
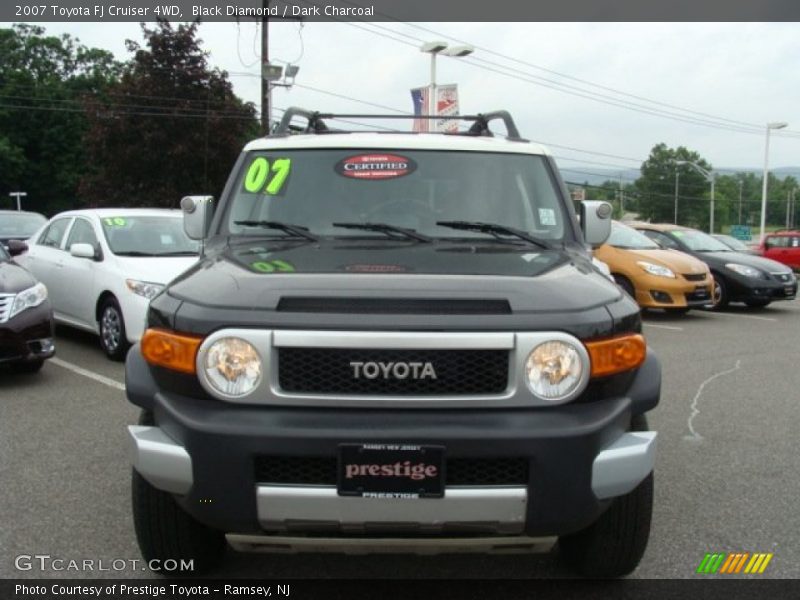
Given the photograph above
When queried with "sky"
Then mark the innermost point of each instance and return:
(736, 74)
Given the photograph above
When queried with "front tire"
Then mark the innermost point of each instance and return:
(613, 545)
(113, 337)
(719, 299)
(626, 286)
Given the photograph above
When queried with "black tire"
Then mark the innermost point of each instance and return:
(626, 286)
(614, 544)
(758, 303)
(113, 336)
(719, 295)
(164, 531)
(27, 366)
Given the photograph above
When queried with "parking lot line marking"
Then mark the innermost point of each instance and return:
(696, 411)
(719, 314)
(86, 373)
(670, 327)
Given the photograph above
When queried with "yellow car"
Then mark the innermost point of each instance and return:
(654, 277)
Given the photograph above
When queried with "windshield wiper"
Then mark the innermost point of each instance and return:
(294, 230)
(387, 229)
(494, 229)
(179, 253)
(134, 253)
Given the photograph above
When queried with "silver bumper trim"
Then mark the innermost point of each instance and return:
(515, 544)
(620, 467)
(159, 459)
(496, 509)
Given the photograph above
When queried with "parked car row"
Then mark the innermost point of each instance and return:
(677, 268)
(97, 269)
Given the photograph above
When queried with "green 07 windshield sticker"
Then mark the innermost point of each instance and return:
(261, 177)
(115, 222)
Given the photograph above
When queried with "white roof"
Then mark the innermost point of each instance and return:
(397, 141)
(102, 213)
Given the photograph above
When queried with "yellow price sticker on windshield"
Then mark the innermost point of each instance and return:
(115, 222)
(261, 177)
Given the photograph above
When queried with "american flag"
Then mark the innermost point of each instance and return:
(421, 99)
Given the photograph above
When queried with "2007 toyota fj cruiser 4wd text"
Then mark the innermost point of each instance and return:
(394, 340)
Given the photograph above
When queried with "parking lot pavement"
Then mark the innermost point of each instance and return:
(725, 475)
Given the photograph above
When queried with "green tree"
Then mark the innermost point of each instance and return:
(172, 125)
(44, 83)
(656, 187)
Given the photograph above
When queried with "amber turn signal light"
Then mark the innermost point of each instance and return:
(615, 355)
(170, 350)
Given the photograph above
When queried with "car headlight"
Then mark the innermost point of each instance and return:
(657, 270)
(554, 369)
(144, 288)
(744, 270)
(29, 298)
(232, 366)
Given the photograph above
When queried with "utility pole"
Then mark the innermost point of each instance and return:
(741, 185)
(621, 198)
(677, 178)
(18, 195)
(266, 83)
(788, 204)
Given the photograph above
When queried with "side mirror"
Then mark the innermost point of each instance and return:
(17, 247)
(197, 213)
(595, 218)
(82, 251)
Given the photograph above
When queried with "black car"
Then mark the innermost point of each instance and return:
(19, 225)
(26, 317)
(738, 277)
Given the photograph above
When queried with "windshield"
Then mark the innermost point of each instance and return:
(403, 188)
(22, 225)
(628, 238)
(3, 254)
(135, 235)
(733, 243)
(699, 241)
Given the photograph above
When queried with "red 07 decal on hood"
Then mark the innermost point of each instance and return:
(375, 166)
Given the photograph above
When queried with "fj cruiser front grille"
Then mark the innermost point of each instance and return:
(395, 306)
(312, 470)
(451, 372)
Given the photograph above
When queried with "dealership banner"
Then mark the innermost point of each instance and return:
(446, 105)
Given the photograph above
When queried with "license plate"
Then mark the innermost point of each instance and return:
(391, 471)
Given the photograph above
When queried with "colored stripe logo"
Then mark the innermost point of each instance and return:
(734, 563)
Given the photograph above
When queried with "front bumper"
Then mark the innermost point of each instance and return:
(744, 289)
(28, 336)
(663, 292)
(579, 456)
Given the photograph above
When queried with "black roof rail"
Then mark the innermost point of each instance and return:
(315, 122)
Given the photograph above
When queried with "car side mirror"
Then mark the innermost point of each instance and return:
(595, 218)
(81, 250)
(17, 247)
(197, 213)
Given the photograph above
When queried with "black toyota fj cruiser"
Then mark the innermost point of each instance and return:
(394, 340)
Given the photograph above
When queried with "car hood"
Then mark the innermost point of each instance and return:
(154, 269)
(678, 262)
(750, 260)
(14, 278)
(258, 274)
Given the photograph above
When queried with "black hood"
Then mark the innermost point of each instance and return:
(259, 274)
(14, 278)
(720, 259)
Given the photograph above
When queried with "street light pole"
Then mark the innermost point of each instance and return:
(770, 127)
(677, 177)
(741, 185)
(18, 195)
(709, 176)
(434, 48)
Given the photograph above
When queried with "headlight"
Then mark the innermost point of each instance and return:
(29, 298)
(657, 270)
(144, 288)
(744, 270)
(232, 366)
(553, 370)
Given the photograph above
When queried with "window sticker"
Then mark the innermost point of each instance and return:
(547, 216)
(265, 178)
(115, 222)
(272, 266)
(375, 166)
(677, 233)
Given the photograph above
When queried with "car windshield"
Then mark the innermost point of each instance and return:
(699, 241)
(733, 243)
(3, 254)
(20, 225)
(135, 235)
(628, 238)
(412, 189)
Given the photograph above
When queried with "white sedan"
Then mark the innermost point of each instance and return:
(102, 267)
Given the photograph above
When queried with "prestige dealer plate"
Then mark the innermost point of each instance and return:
(391, 471)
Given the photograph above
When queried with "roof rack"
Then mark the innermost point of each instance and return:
(315, 122)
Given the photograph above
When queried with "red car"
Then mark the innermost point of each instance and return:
(783, 246)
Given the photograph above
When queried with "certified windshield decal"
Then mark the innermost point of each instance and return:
(375, 166)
